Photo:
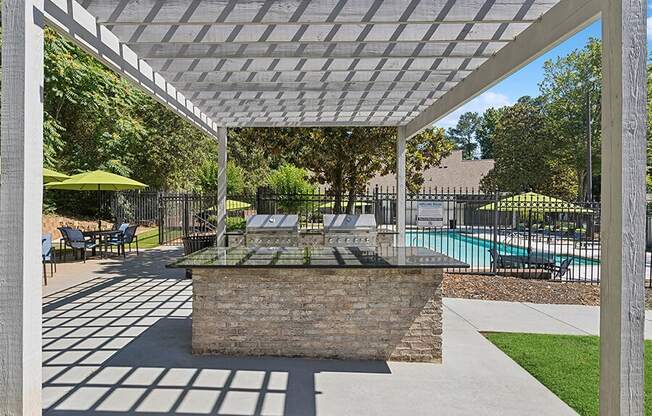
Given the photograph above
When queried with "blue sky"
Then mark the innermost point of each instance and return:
(526, 81)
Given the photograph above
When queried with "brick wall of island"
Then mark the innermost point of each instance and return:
(379, 314)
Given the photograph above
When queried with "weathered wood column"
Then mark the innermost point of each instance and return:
(21, 187)
(221, 186)
(401, 140)
(622, 313)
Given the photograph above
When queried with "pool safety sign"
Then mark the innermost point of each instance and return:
(430, 214)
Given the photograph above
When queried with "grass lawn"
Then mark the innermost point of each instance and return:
(568, 365)
(148, 239)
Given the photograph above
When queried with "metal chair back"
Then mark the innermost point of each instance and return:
(46, 247)
(75, 235)
(130, 233)
(564, 266)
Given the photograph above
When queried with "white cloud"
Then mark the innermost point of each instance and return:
(649, 28)
(479, 105)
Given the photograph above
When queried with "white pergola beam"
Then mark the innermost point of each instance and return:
(401, 149)
(562, 21)
(21, 195)
(195, 77)
(622, 286)
(309, 12)
(222, 137)
(72, 20)
(167, 52)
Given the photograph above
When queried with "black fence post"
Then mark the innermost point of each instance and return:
(494, 269)
(186, 212)
(161, 219)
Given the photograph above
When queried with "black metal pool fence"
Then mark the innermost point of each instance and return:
(526, 234)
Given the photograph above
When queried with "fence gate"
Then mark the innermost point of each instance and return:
(181, 215)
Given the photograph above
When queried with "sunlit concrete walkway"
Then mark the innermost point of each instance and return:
(116, 341)
(497, 316)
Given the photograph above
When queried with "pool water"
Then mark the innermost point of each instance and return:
(473, 250)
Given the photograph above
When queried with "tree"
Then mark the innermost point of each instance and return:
(463, 134)
(346, 159)
(524, 149)
(208, 175)
(569, 83)
(94, 119)
(485, 131)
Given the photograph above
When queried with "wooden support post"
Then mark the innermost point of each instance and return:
(622, 313)
(400, 185)
(21, 197)
(221, 186)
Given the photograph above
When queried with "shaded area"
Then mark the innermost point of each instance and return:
(122, 346)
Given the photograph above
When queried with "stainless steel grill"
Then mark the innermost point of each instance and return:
(350, 230)
(272, 230)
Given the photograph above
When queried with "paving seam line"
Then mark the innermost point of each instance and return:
(555, 318)
(462, 318)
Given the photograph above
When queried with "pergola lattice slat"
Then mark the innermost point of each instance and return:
(243, 62)
(308, 12)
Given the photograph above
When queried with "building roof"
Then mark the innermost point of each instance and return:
(453, 173)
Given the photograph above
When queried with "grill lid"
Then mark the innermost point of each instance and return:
(346, 222)
(271, 223)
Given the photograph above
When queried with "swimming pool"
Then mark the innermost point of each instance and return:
(473, 250)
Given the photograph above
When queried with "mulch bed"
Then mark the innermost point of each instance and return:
(514, 289)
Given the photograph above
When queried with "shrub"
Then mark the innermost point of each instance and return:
(290, 183)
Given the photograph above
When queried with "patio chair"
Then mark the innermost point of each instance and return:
(126, 238)
(502, 261)
(122, 227)
(495, 258)
(62, 242)
(75, 239)
(48, 256)
(564, 268)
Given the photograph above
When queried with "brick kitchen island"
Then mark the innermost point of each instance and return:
(319, 302)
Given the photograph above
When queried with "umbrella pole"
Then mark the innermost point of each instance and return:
(99, 208)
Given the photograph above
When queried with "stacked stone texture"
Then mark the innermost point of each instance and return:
(377, 314)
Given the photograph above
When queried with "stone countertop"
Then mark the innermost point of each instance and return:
(317, 257)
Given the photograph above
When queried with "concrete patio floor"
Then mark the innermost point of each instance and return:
(116, 341)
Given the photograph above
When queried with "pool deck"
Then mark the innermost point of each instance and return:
(116, 341)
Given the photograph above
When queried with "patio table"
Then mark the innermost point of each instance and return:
(100, 236)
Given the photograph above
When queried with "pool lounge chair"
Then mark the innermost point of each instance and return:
(558, 272)
(503, 261)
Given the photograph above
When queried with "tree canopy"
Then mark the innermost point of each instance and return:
(346, 159)
(464, 134)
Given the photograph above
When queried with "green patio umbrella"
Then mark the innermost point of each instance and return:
(50, 175)
(96, 180)
(356, 204)
(534, 202)
(235, 205)
(531, 202)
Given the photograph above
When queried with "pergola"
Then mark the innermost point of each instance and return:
(403, 63)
